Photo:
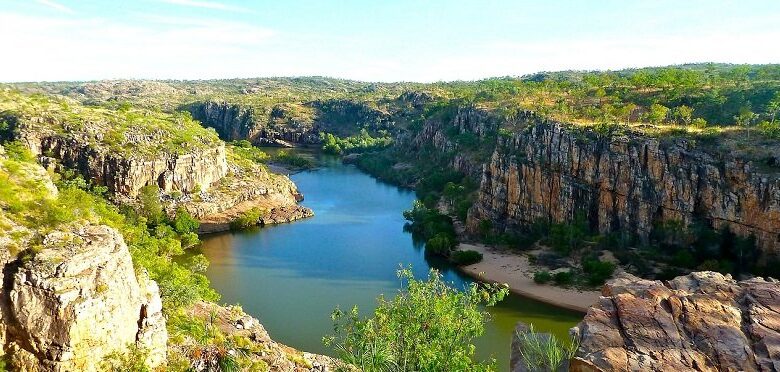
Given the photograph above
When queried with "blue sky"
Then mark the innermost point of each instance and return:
(373, 40)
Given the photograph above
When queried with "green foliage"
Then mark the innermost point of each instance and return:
(184, 223)
(543, 352)
(246, 150)
(441, 244)
(15, 150)
(568, 237)
(542, 277)
(132, 360)
(597, 272)
(247, 219)
(467, 257)
(563, 278)
(150, 205)
(293, 159)
(428, 326)
(204, 344)
(361, 142)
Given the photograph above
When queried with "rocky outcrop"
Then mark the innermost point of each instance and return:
(126, 175)
(289, 124)
(627, 182)
(278, 126)
(285, 215)
(703, 321)
(77, 301)
(268, 354)
(442, 133)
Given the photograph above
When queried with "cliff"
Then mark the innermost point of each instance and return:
(289, 124)
(78, 301)
(625, 183)
(277, 126)
(122, 149)
(703, 321)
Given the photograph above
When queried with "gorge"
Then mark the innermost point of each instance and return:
(125, 174)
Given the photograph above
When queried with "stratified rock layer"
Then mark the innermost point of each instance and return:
(78, 301)
(622, 183)
(188, 172)
(703, 321)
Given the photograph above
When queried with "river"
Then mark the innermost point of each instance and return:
(292, 276)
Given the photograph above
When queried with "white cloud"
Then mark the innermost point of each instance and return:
(205, 4)
(48, 48)
(56, 6)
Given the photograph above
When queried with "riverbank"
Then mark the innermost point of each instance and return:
(517, 272)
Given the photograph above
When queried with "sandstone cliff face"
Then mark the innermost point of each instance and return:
(466, 120)
(127, 175)
(289, 124)
(237, 122)
(78, 301)
(626, 183)
(703, 321)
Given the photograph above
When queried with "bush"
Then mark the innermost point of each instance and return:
(542, 277)
(543, 352)
(564, 278)
(184, 223)
(247, 219)
(428, 326)
(151, 208)
(469, 257)
(597, 272)
(441, 244)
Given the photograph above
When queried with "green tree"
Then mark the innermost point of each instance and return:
(428, 326)
(745, 119)
(773, 107)
(151, 208)
(184, 223)
(683, 114)
(657, 113)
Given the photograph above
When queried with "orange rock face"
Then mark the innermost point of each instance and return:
(624, 183)
(703, 321)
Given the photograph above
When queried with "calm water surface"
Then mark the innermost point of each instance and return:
(292, 276)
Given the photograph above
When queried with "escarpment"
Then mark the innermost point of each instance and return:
(703, 321)
(622, 183)
(126, 175)
(78, 301)
(467, 136)
(237, 122)
(289, 124)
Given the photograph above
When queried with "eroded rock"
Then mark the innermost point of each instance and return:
(703, 321)
(79, 300)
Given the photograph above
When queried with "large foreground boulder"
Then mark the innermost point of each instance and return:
(78, 301)
(703, 321)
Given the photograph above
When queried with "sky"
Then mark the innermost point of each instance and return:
(373, 40)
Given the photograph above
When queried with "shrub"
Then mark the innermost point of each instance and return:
(543, 352)
(151, 208)
(247, 219)
(564, 278)
(441, 244)
(597, 272)
(542, 277)
(428, 326)
(184, 223)
(469, 257)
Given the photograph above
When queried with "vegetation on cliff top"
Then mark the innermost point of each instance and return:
(116, 128)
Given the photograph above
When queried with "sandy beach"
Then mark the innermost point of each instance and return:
(515, 270)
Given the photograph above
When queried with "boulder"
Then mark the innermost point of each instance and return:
(80, 300)
(703, 321)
